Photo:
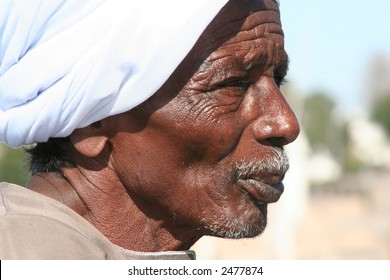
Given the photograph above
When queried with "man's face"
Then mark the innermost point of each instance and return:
(208, 155)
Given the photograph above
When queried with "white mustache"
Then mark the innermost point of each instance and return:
(276, 163)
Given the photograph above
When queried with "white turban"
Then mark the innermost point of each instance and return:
(65, 64)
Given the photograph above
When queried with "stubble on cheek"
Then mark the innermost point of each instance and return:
(235, 226)
(229, 213)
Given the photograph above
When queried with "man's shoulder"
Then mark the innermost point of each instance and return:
(34, 226)
(18, 202)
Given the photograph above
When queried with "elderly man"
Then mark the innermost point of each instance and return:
(164, 125)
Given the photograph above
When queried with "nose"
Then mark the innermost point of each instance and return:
(276, 124)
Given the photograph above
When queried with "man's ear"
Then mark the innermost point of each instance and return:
(89, 141)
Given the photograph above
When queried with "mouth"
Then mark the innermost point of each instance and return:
(260, 191)
(262, 179)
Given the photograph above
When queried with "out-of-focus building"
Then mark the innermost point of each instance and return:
(323, 168)
(369, 143)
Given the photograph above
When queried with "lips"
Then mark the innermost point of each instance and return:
(260, 191)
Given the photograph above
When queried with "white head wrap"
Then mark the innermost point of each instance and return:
(65, 64)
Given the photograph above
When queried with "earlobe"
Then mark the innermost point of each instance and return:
(89, 141)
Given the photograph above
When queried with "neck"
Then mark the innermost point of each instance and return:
(101, 199)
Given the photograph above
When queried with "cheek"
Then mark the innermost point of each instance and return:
(210, 189)
(209, 107)
(154, 171)
(206, 140)
(219, 207)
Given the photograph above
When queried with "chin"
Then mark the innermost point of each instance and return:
(237, 226)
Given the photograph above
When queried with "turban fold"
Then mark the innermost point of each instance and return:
(65, 64)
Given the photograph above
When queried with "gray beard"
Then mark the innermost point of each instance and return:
(277, 163)
(235, 228)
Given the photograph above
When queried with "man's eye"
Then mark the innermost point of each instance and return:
(236, 82)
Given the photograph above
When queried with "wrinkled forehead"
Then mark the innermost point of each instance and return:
(237, 16)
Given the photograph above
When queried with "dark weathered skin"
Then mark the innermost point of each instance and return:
(164, 174)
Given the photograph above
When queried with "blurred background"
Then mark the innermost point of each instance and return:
(337, 198)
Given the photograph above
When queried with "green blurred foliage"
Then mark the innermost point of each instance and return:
(327, 130)
(13, 165)
(381, 112)
(317, 119)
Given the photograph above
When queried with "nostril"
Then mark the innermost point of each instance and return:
(275, 141)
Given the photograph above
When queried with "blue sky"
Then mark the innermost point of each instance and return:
(330, 44)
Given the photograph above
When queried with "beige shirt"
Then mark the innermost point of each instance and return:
(33, 226)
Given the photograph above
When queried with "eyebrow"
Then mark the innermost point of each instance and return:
(281, 67)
